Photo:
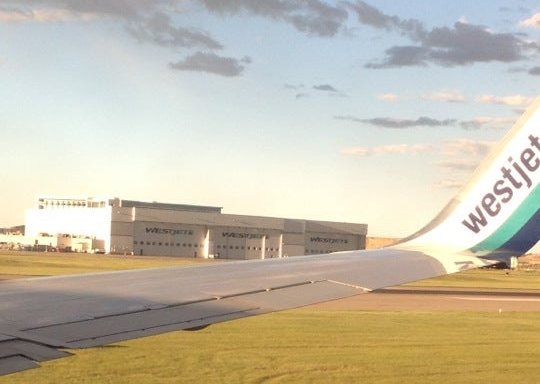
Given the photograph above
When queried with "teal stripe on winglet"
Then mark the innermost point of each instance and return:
(513, 224)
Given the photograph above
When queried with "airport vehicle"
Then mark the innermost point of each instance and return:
(495, 216)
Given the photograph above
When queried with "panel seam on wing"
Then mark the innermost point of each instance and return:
(350, 285)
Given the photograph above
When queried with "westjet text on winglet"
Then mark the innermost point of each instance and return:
(514, 176)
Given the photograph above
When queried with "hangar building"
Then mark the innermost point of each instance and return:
(162, 229)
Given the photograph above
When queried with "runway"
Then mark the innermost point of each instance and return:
(440, 299)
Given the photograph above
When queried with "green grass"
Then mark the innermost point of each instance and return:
(51, 264)
(486, 278)
(319, 346)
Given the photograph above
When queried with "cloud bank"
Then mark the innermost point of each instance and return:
(155, 22)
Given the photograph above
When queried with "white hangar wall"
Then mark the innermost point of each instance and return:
(69, 216)
(162, 229)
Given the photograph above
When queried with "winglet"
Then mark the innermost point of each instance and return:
(496, 214)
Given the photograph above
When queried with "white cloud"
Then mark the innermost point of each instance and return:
(459, 164)
(449, 184)
(386, 150)
(401, 149)
(486, 121)
(356, 151)
(458, 158)
(41, 16)
(387, 97)
(449, 96)
(467, 147)
(533, 21)
(514, 100)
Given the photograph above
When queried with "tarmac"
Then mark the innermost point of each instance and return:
(440, 299)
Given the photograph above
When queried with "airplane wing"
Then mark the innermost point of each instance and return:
(494, 216)
(41, 316)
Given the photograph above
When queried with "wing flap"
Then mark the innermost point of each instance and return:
(12, 364)
(34, 351)
(18, 355)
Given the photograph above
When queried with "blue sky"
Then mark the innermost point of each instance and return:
(372, 112)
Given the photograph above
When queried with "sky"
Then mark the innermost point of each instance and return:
(370, 112)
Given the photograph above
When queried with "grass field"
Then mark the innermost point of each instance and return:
(486, 278)
(309, 345)
(33, 264)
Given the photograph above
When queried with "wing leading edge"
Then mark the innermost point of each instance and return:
(495, 215)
